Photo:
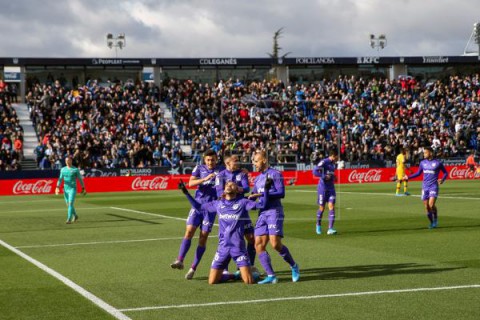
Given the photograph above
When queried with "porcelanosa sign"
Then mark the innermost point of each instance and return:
(324, 60)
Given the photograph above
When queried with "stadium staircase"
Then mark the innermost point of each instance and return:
(168, 116)
(30, 139)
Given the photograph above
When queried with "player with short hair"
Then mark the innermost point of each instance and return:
(69, 175)
(400, 173)
(203, 177)
(233, 173)
(269, 226)
(325, 170)
(430, 168)
(232, 211)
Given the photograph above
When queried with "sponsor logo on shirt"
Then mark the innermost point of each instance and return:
(228, 216)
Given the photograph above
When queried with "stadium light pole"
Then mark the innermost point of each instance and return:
(379, 42)
(119, 41)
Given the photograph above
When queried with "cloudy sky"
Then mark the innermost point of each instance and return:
(222, 28)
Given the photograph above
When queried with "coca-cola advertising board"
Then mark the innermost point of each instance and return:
(170, 182)
(107, 184)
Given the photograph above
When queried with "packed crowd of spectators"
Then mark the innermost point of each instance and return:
(11, 137)
(370, 119)
(103, 125)
(122, 125)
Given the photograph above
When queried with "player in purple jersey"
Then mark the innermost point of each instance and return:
(325, 170)
(232, 211)
(431, 170)
(269, 226)
(240, 177)
(203, 177)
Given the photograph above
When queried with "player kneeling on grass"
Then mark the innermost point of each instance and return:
(69, 175)
(232, 212)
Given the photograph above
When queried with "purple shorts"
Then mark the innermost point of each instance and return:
(325, 196)
(429, 193)
(270, 222)
(203, 218)
(223, 256)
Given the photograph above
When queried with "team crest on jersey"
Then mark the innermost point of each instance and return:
(239, 178)
(235, 206)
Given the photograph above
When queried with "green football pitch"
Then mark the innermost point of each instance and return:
(115, 262)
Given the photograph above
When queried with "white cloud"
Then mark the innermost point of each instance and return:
(235, 29)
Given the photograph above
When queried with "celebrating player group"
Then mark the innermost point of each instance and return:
(221, 193)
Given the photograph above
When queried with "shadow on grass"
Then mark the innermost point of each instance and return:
(446, 228)
(365, 271)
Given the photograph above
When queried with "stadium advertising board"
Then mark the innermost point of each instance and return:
(170, 182)
(12, 74)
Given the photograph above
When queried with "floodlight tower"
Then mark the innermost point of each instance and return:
(379, 42)
(119, 41)
(475, 36)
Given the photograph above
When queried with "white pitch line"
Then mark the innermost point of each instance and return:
(152, 214)
(148, 213)
(59, 209)
(28, 201)
(113, 241)
(90, 296)
(390, 194)
(94, 243)
(335, 295)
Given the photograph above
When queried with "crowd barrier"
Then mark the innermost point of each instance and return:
(170, 182)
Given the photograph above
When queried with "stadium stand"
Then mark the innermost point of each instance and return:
(11, 138)
(124, 125)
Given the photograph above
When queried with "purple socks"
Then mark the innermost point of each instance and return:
(184, 249)
(331, 218)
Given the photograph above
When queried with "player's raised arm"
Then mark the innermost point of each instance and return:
(208, 206)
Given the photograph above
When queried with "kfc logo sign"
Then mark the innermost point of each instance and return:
(368, 176)
(157, 183)
(40, 186)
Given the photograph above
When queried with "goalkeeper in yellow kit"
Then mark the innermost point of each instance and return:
(400, 174)
(69, 174)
